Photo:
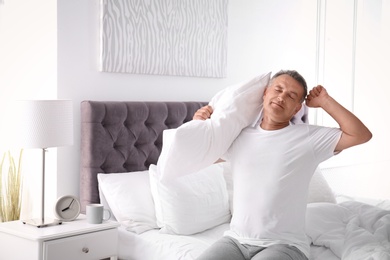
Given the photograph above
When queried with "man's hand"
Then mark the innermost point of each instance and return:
(203, 113)
(317, 97)
(354, 131)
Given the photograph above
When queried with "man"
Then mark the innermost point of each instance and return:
(272, 164)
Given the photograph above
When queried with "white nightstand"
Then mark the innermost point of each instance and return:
(75, 240)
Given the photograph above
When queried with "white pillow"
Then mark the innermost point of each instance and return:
(130, 200)
(319, 189)
(190, 204)
(198, 144)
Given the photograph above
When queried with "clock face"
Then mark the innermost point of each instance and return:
(67, 208)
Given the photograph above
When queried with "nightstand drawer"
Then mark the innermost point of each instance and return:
(95, 245)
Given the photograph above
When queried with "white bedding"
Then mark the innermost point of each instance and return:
(152, 244)
(352, 230)
(348, 230)
(339, 227)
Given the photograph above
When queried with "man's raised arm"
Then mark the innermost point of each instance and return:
(354, 131)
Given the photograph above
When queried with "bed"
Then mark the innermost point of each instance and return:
(120, 144)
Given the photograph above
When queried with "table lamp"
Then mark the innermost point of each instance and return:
(43, 124)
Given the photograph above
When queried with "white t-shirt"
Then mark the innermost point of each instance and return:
(271, 175)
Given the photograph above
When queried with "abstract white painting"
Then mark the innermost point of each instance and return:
(164, 37)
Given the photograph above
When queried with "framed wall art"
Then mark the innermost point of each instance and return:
(164, 37)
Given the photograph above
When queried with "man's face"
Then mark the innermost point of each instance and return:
(282, 99)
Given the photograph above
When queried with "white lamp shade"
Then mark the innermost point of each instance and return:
(43, 123)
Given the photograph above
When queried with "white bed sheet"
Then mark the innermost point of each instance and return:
(351, 229)
(154, 245)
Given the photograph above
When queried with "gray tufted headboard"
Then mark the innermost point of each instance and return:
(120, 136)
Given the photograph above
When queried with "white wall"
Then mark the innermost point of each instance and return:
(28, 70)
(356, 57)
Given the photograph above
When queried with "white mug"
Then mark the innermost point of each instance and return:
(95, 213)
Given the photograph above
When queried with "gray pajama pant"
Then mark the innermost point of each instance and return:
(228, 248)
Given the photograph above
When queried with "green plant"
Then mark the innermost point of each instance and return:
(10, 188)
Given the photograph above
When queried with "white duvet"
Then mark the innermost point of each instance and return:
(351, 230)
(348, 230)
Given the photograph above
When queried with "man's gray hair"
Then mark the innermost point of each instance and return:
(295, 75)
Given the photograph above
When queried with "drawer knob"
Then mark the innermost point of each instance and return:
(85, 250)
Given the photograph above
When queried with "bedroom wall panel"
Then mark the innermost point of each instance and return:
(336, 64)
(363, 170)
(372, 89)
(336, 53)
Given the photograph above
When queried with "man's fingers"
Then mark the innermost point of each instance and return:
(203, 113)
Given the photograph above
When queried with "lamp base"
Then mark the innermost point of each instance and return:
(42, 222)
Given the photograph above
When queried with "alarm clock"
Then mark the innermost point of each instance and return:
(67, 208)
